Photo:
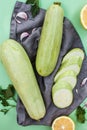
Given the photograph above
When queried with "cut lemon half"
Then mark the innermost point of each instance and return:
(83, 16)
(63, 123)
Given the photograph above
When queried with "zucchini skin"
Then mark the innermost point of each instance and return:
(21, 73)
(50, 40)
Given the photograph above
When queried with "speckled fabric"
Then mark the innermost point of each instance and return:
(70, 40)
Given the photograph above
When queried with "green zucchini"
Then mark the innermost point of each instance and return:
(50, 40)
(21, 73)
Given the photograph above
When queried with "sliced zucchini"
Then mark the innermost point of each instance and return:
(73, 60)
(62, 94)
(68, 76)
(76, 52)
(74, 67)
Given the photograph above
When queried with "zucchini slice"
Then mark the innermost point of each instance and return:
(75, 68)
(68, 76)
(76, 52)
(62, 94)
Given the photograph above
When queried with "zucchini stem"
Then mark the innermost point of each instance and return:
(57, 3)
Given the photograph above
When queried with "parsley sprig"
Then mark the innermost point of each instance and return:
(5, 96)
(35, 6)
(80, 114)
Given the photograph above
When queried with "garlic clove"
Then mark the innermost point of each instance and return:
(21, 15)
(24, 35)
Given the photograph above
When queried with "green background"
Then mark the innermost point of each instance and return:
(72, 10)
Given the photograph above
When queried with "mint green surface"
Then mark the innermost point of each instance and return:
(72, 10)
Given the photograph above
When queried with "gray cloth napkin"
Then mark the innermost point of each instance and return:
(70, 40)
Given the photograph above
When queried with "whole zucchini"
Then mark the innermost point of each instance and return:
(50, 40)
(21, 73)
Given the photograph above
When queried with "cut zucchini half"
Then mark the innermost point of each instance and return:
(62, 94)
(76, 52)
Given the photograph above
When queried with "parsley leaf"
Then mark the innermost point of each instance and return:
(35, 6)
(4, 102)
(6, 94)
(4, 111)
(9, 92)
(80, 114)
